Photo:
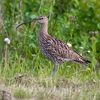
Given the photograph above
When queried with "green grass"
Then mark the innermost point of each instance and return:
(26, 72)
(22, 94)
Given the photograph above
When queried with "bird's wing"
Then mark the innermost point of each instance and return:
(61, 50)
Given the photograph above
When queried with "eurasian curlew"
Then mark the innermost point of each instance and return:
(54, 49)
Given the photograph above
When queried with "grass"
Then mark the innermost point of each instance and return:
(71, 82)
(25, 72)
(30, 78)
(54, 88)
(22, 94)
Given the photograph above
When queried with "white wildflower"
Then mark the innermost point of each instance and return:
(81, 48)
(69, 44)
(89, 51)
(7, 40)
(81, 54)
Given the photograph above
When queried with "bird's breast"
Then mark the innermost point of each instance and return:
(45, 46)
(42, 43)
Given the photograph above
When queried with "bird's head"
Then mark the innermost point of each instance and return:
(42, 19)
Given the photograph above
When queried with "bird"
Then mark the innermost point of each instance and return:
(54, 49)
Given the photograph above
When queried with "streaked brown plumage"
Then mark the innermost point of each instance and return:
(56, 50)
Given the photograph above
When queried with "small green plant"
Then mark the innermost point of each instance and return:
(22, 94)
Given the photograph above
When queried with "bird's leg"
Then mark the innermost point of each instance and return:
(54, 69)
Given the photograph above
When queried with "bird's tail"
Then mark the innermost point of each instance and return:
(82, 61)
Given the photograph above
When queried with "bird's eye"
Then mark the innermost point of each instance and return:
(41, 18)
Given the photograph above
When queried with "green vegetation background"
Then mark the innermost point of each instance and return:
(76, 22)
(73, 21)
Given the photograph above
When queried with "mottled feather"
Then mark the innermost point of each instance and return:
(58, 51)
(54, 49)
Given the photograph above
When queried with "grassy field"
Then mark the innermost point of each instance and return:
(25, 72)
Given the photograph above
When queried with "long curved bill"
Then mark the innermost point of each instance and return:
(26, 22)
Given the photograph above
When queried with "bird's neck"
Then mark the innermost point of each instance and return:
(44, 28)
